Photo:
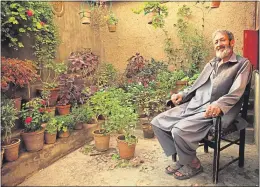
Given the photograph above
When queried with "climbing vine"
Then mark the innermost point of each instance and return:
(29, 19)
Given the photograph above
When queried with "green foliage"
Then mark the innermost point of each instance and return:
(81, 113)
(8, 117)
(192, 41)
(106, 75)
(65, 122)
(32, 19)
(112, 19)
(54, 70)
(33, 115)
(52, 126)
(159, 11)
(166, 80)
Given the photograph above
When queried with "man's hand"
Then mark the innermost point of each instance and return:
(212, 111)
(176, 98)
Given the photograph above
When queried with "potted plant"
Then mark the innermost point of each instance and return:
(65, 124)
(153, 104)
(33, 118)
(8, 117)
(106, 75)
(16, 73)
(215, 4)
(135, 65)
(112, 21)
(80, 115)
(125, 118)
(101, 103)
(50, 132)
(157, 12)
(50, 84)
(85, 16)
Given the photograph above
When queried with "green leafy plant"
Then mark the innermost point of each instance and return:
(81, 113)
(106, 75)
(192, 40)
(52, 126)
(65, 122)
(111, 18)
(33, 115)
(8, 117)
(160, 12)
(30, 19)
(53, 70)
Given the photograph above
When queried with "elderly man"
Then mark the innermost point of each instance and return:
(217, 91)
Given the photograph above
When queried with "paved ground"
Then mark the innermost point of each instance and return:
(146, 169)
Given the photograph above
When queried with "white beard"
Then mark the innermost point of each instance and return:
(224, 53)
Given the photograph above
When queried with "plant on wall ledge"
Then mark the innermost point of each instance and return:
(157, 11)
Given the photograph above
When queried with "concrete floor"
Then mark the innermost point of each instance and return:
(81, 169)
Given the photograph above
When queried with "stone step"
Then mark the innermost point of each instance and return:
(28, 163)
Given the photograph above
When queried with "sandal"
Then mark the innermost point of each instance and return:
(187, 172)
(171, 169)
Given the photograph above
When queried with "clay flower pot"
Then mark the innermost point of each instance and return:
(63, 109)
(126, 151)
(147, 130)
(111, 28)
(215, 4)
(50, 138)
(33, 140)
(101, 140)
(11, 152)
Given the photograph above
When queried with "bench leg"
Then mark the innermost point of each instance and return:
(242, 148)
(206, 147)
(216, 151)
(174, 158)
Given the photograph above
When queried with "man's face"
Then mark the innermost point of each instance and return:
(222, 45)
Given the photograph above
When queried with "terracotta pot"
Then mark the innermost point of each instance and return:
(126, 151)
(215, 4)
(179, 86)
(50, 138)
(33, 140)
(63, 109)
(54, 94)
(64, 134)
(147, 130)
(11, 152)
(86, 18)
(111, 28)
(17, 103)
(101, 140)
(78, 126)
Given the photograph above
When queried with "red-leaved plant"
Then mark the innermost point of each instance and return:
(17, 73)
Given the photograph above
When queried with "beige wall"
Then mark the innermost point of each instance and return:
(135, 35)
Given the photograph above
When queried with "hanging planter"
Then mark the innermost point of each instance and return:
(215, 4)
(112, 22)
(112, 28)
(85, 17)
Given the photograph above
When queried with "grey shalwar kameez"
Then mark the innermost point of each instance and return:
(181, 128)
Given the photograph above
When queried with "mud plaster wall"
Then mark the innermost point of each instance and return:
(135, 35)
